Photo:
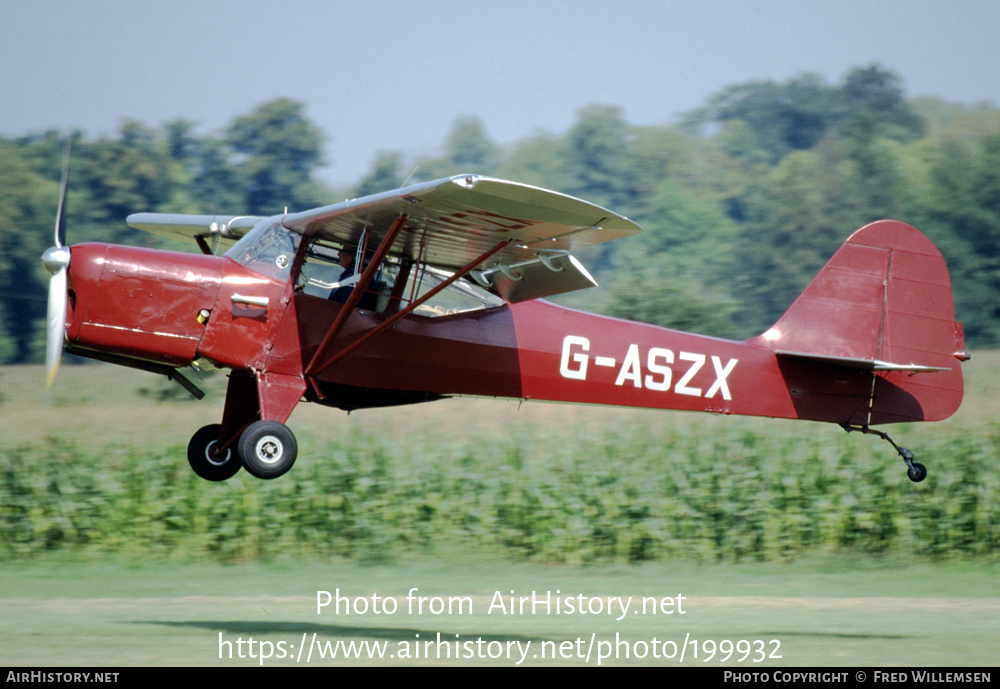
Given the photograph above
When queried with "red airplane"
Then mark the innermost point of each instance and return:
(434, 290)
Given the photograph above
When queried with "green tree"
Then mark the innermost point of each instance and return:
(124, 175)
(876, 118)
(962, 214)
(684, 234)
(783, 117)
(466, 150)
(874, 105)
(214, 185)
(469, 148)
(27, 213)
(384, 176)
(277, 150)
(669, 275)
(596, 157)
(538, 160)
(671, 301)
(806, 212)
(656, 154)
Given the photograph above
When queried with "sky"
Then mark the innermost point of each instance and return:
(387, 75)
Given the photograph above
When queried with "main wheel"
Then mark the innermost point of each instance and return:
(207, 460)
(916, 472)
(268, 449)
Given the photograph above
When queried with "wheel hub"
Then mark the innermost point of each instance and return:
(215, 455)
(269, 449)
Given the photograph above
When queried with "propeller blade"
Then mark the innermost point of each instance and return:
(56, 329)
(56, 260)
(60, 233)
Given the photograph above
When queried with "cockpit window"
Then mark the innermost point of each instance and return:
(321, 271)
(459, 297)
(268, 249)
(322, 275)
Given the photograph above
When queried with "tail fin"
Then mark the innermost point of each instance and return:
(883, 303)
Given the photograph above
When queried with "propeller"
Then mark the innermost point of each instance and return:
(56, 261)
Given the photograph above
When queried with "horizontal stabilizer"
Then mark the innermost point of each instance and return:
(861, 364)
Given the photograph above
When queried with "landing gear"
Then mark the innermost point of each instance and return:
(267, 449)
(207, 459)
(915, 471)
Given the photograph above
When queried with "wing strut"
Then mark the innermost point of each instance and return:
(356, 293)
(462, 272)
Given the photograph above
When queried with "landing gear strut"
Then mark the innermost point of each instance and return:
(915, 471)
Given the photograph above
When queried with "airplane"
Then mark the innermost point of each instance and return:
(446, 298)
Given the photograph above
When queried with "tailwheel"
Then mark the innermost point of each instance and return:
(915, 471)
(208, 459)
(267, 449)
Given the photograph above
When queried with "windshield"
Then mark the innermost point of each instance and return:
(269, 248)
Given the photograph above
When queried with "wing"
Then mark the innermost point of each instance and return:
(450, 222)
(213, 228)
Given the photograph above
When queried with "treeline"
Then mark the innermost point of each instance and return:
(742, 201)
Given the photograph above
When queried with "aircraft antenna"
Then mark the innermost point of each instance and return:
(406, 181)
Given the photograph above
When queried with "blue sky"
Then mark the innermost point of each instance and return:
(390, 75)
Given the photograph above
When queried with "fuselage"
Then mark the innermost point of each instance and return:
(871, 340)
(175, 308)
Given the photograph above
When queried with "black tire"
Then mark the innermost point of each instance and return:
(205, 461)
(917, 472)
(267, 449)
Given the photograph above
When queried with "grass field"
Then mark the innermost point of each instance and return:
(818, 614)
(86, 608)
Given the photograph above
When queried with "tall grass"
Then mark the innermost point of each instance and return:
(719, 490)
